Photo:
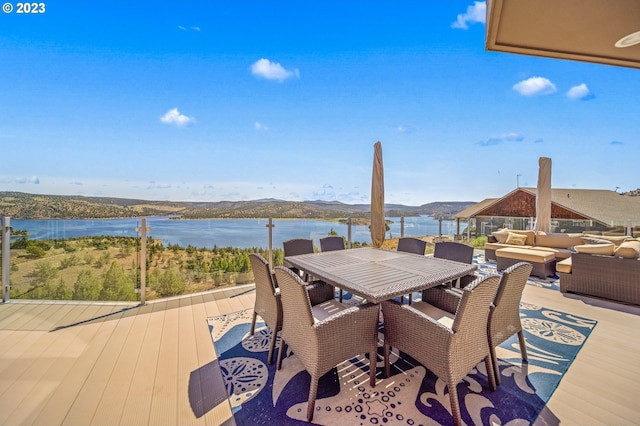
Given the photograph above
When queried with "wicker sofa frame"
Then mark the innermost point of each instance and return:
(606, 277)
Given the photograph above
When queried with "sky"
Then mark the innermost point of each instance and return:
(244, 100)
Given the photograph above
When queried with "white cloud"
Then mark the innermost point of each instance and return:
(535, 86)
(183, 28)
(272, 70)
(174, 117)
(260, 126)
(580, 91)
(497, 140)
(33, 179)
(477, 13)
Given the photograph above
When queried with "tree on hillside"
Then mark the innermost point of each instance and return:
(87, 286)
(43, 285)
(116, 284)
(61, 291)
(35, 251)
(170, 283)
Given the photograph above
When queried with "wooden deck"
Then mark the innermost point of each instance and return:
(77, 363)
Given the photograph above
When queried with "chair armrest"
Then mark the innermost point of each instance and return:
(442, 297)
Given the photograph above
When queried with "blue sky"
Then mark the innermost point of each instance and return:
(240, 100)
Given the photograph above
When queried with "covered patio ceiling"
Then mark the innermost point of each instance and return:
(604, 32)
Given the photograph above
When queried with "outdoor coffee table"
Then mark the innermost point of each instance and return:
(376, 274)
(544, 262)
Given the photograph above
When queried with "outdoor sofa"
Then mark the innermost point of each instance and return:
(602, 266)
(606, 277)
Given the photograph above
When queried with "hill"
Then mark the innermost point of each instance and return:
(35, 206)
(634, 193)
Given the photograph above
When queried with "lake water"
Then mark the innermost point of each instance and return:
(241, 233)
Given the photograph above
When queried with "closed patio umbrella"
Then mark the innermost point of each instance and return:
(543, 196)
(377, 198)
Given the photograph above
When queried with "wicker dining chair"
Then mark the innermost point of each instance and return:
(331, 243)
(504, 319)
(295, 247)
(449, 345)
(504, 315)
(458, 252)
(323, 336)
(268, 304)
(411, 245)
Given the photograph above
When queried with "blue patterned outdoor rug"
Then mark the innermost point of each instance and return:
(259, 394)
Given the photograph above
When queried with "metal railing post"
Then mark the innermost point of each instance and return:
(6, 259)
(401, 226)
(270, 225)
(143, 260)
(349, 233)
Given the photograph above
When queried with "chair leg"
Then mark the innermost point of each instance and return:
(494, 362)
(455, 405)
(523, 345)
(311, 405)
(488, 363)
(373, 358)
(387, 367)
(340, 295)
(280, 352)
(272, 346)
(410, 298)
(253, 323)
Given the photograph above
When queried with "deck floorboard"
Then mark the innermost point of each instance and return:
(104, 364)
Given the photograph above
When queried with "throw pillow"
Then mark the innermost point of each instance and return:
(603, 249)
(501, 235)
(516, 239)
(615, 239)
(593, 240)
(628, 250)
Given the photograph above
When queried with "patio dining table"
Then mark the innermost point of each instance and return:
(377, 274)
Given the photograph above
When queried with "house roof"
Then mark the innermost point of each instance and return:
(582, 30)
(472, 211)
(604, 206)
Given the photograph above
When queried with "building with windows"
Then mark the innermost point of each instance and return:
(572, 210)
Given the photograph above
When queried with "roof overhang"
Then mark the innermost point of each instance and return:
(581, 30)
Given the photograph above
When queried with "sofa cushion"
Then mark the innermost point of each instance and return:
(558, 240)
(497, 246)
(628, 249)
(564, 266)
(603, 249)
(593, 240)
(615, 239)
(501, 235)
(526, 255)
(560, 253)
(515, 239)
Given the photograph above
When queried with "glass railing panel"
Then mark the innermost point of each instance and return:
(67, 259)
(174, 269)
(101, 259)
(287, 229)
